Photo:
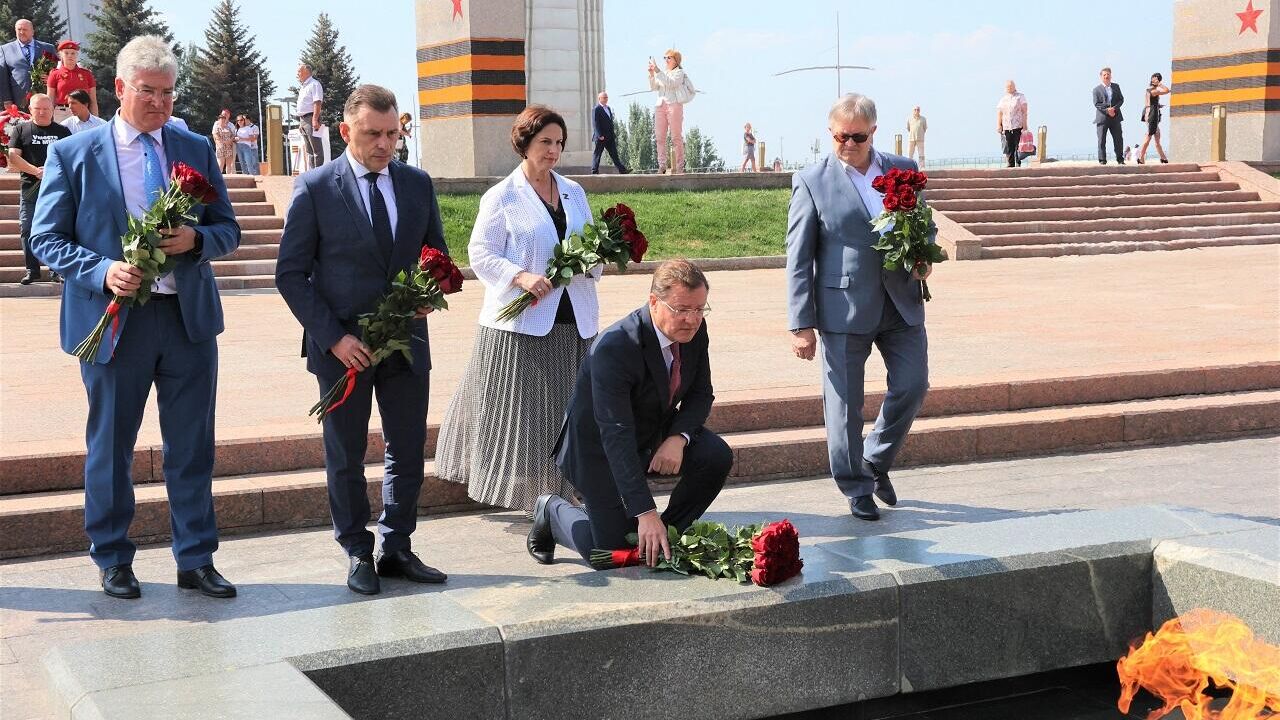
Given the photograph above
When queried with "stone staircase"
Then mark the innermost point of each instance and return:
(271, 483)
(250, 266)
(1050, 211)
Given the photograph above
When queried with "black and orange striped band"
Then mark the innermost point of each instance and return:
(1243, 82)
(474, 76)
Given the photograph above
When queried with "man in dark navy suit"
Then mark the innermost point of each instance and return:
(605, 137)
(642, 398)
(352, 225)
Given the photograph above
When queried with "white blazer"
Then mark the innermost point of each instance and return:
(514, 233)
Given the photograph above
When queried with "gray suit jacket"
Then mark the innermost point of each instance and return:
(15, 71)
(1100, 104)
(835, 281)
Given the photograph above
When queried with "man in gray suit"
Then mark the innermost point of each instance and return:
(837, 285)
(1107, 100)
(16, 60)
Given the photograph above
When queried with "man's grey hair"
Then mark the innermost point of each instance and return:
(304, 65)
(146, 53)
(853, 106)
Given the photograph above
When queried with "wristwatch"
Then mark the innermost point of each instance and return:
(199, 246)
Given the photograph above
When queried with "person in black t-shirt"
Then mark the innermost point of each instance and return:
(28, 147)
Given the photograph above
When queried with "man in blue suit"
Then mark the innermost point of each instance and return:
(838, 286)
(93, 182)
(17, 57)
(606, 137)
(352, 225)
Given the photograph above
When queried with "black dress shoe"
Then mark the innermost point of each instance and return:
(362, 578)
(884, 489)
(119, 581)
(29, 278)
(207, 580)
(540, 542)
(864, 508)
(405, 564)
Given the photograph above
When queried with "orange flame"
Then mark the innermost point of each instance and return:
(1180, 661)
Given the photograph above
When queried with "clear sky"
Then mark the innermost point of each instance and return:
(949, 56)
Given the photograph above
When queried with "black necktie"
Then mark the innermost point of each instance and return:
(381, 218)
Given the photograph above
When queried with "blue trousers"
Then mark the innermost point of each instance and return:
(905, 349)
(402, 403)
(248, 157)
(153, 349)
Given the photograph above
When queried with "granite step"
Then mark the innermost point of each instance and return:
(1170, 211)
(1123, 246)
(1080, 191)
(241, 209)
(1089, 203)
(1045, 226)
(1160, 234)
(1053, 169)
(1045, 181)
(42, 523)
(244, 194)
(258, 451)
(10, 229)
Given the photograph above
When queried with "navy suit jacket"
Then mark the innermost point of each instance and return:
(836, 282)
(1100, 104)
(80, 217)
(15, 71)
(602, 122)
(619, 412)
(331, 269)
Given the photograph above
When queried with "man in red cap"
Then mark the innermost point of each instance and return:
(70, 76)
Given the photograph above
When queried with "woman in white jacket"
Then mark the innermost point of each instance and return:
(503, 419)
(673, 88)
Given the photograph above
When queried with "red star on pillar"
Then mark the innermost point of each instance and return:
(1249, 18)
(457, 9)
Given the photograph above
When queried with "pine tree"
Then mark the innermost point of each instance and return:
(118, 21)
(183, 103)
(226, 72)
(331, 65)
(44, 15)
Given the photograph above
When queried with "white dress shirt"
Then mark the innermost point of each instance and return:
(309, 94)
(668, 357)
(75, 124)
(384, 184)
(131, 157)
(873, 200)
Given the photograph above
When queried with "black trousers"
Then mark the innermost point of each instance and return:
(1011, 140)
(1113, 126)
(26, 209)
(612, 147)
(604, 524)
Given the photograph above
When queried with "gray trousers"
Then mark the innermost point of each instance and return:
(905, 349)
(310, 143)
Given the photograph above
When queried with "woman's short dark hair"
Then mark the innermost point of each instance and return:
(1158, 76)
(79, 96)
(531, 121)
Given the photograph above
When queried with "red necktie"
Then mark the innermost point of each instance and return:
(675, 373)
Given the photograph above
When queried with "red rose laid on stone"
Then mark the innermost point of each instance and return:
(777, 549)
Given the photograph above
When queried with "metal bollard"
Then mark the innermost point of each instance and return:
(274, 135)
(1218, 134)
(1042, 136)
(897, 144)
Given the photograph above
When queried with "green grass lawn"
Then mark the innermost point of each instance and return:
(694, 224)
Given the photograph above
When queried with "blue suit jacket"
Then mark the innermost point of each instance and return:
(619, 413)
(1100, 104)
(80, 217)
(835, 281)
(331, 269)
(15, 71)
(602, 123)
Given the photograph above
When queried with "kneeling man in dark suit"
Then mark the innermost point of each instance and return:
(642, 397)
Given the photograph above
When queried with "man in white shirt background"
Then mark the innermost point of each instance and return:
(81, 119)
(310, 104)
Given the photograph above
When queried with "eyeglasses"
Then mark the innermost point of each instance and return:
(668, 57)
(688, 313)
(150, 95)
(858, 138)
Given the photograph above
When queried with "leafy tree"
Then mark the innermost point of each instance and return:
(227, 70)
(50, 26)
(700, 152)
(331, 65)
(622, 138)
(118, 21)
(640, 149)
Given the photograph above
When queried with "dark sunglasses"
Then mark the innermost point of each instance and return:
(858, 138)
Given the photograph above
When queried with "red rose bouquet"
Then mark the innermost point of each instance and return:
(904, 224)
(9, 119)
(389, 329)
(615, 239)
(40, 71)
(173, 207)
(764, 556)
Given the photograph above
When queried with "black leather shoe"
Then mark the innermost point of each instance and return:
(864, 508)
(207, 580)
(29, 278)
(362, 578)
(884, 488)
(540, 542)
(118, 581)
(403, 563)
